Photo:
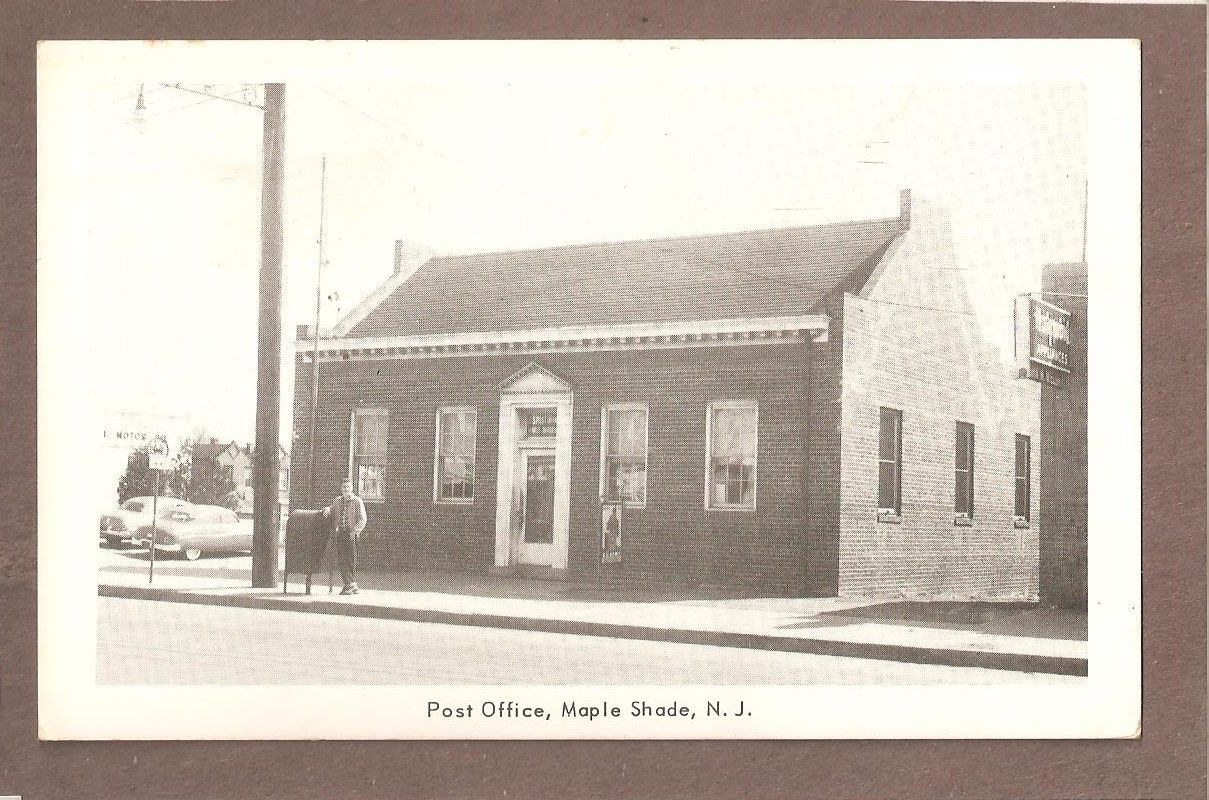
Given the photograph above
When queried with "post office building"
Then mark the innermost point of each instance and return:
(804, 411)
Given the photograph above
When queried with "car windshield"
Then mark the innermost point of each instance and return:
(133, 505)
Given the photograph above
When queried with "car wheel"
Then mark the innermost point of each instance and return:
(191, 553)
(112, 541)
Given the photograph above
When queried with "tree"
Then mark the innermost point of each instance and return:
(140, 481)
(210, 484)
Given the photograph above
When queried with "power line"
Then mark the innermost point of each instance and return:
(133, 97)
(186, 105)
(152, 115)
(921, 308)
(406, 137)
(242, 90)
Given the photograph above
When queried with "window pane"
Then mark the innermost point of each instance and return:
(369, 480)
(377, 440)
(963, 442)
(887, 446)
(625, 480)
(626, 432)
(457, 433)
(961, 493)
(887, 488)
(732, 484)
(370, 435)
(1022, 498)
(1022, 455)
(734, 434)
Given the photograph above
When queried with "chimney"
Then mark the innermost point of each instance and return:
(904, 208)
(409, 257)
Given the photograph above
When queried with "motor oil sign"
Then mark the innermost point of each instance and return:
(1042, 338)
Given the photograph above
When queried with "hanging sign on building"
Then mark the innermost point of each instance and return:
(1042, 339)
(610, 533)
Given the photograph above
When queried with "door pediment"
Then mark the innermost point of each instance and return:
(534, 379)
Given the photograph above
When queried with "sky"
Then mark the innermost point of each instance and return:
(508, 161)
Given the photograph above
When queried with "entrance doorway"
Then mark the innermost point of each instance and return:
(537, 524)
(533, 495)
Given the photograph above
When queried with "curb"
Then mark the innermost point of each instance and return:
(940, 656)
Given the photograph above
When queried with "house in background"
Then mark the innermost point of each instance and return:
(235, 462)
(805, 411)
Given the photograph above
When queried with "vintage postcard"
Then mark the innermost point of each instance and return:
(538, 390)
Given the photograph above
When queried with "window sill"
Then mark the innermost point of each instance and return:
(963, 522)
(622, 504)
(889, 517)
(373, 500)
(730, 508)
(1021, 524)
(450, 501)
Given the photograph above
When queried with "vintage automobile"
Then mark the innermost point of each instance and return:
(117, 527)
(194, 530)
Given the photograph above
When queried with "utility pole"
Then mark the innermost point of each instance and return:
(265, 510)
(310, 494)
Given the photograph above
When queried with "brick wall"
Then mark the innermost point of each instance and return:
(912, 343)
(822, 454)
(674, 539)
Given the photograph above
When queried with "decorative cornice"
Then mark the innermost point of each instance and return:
(579, 338)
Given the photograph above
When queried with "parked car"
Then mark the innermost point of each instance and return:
(193, 530)
(118, 526)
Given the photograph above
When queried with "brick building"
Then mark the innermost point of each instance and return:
(1064, 453)
(800, 411)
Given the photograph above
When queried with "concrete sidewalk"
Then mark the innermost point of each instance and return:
(1009, 636)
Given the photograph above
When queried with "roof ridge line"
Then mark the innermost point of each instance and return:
(654, 239)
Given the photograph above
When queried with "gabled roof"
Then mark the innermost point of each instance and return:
(765, 273)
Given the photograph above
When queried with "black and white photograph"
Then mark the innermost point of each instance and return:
(538, 390)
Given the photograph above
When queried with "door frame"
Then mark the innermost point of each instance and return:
(532, 387)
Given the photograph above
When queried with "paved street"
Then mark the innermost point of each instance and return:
(141, 641)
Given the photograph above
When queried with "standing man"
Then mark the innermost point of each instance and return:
(347, 513)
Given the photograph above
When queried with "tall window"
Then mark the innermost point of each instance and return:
(367, 465)
(456, 428)
(623, 454)
(963, 494)
(1024, 450)
(890, 462)
(731, 430)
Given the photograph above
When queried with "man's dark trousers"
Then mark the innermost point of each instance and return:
(346, 552)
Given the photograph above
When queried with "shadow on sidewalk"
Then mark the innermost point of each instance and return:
(173, 566)
(1003, 619)
(532, 589)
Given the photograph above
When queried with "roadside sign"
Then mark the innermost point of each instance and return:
(159, 453)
